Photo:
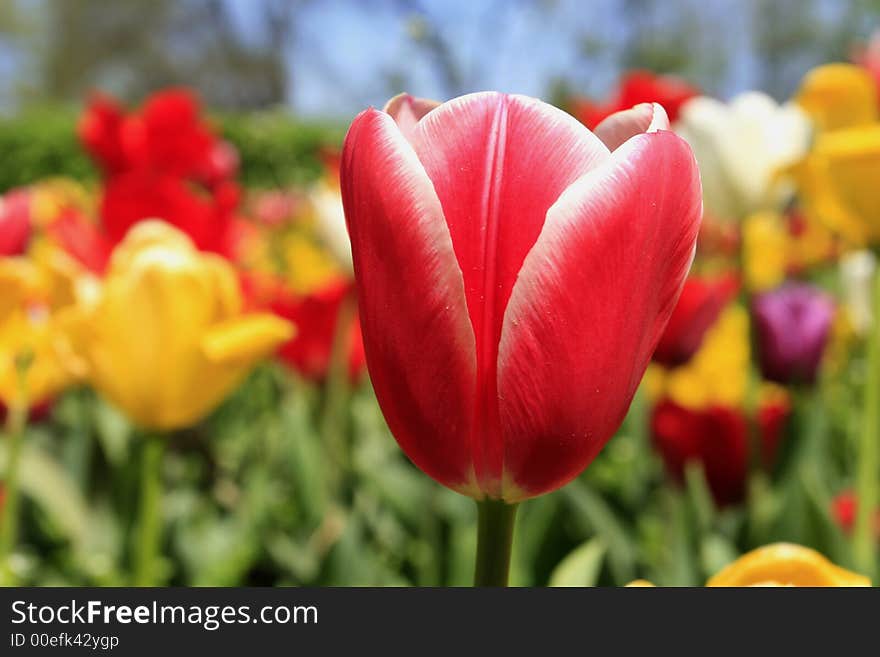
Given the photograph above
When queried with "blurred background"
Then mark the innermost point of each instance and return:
(330, 59)
(223, 119)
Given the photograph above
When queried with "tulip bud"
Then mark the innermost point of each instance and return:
(792, 325)
(514, 275)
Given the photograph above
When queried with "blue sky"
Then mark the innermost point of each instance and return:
(343, 53)
(344, 50)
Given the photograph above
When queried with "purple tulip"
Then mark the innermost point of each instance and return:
(792, 325)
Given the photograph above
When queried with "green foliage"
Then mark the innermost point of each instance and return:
(275, 149)
(39, 145)
(280, 488)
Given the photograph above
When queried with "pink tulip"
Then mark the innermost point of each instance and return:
(514, 276)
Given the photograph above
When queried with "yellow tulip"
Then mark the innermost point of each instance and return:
(308, 266)
(166, 341)
(765, 248)
(717, 373)
(839, 96)
(837, 182)
(36, 296)
(785, 564)
(780, 564)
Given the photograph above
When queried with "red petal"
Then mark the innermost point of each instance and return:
(15, 222)
(498, 163)
(589, 306)
(699, 305)
(418, 341)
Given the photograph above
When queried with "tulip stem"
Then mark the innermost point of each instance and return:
(495, 521)
(337, 387)
(149, 531)
(16, 421)
(867, 484)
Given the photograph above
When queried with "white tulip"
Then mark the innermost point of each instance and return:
(327, 204)
(740, 146)
(857, 275)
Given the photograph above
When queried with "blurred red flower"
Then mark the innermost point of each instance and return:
(699, 305)
(315, 316)
(168, 134)
(99, 132)
(844, 508)
(141, 194)
(162, 162)
(81, 238)
(15, 222)
(718, 439)
(636, 87)
(867, 55)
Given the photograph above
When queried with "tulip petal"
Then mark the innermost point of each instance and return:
(785, 564)
(247, 339)
(411, 300)
(408, 110)
(498, 163)
(588, 308)
(620, 126)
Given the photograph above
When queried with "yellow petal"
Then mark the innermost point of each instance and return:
(838, 182)
(785, 564)
(765, 245)
(638, 583)
(839, 96)
(246, 339)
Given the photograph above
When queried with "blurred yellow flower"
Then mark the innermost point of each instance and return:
(766, 245)
(52, 196)
(717, 374)
(166, 340)
(37, 295)
(308, 267)
(839, 96)
(810, 243)
(837, 182)
(785, 564)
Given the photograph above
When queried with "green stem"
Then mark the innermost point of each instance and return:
(867, 485)
(16, 421)
(149, 532)
(337, 388)
(494, 542)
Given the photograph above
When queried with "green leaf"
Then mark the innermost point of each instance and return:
(44, 481)
(604, 522)
(581, 567)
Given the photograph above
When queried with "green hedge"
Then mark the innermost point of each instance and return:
(275, 149)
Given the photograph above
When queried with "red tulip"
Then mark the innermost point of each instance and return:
(168, 135)
(698, 307)
(315, 316)
(220, 165)
(15, 222)
(844, 508)
(98, 130)
(141, 194)
(513, 277)
(718, 439)
(637, 87)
